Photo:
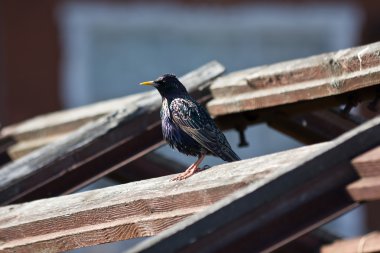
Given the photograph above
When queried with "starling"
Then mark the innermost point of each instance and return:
(187, 126)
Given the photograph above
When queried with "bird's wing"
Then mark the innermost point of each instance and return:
(193, 119)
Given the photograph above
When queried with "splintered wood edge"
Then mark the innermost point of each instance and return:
(88, 214)
(121, 229)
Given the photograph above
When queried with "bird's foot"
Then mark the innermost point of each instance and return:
(187, 173)
(191, 170)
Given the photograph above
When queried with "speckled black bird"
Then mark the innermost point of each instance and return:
(187, 126)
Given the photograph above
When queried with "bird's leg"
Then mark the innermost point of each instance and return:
(191, 170)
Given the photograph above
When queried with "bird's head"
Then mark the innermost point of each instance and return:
(167, 85)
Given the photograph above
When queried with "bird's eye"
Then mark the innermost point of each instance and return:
(160, 81)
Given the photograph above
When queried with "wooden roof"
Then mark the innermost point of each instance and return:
(276, 198)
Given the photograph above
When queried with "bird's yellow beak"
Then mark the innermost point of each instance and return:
(148, 83)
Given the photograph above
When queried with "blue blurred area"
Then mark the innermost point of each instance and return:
(108, 49)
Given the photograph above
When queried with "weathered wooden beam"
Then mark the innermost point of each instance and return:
(298, 80)
(95, 149)
(369, 243)
(266, 215)
(136, 209)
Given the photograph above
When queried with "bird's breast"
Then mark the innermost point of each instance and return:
(169, 130)
(174, 136)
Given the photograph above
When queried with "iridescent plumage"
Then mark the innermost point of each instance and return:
(187, 126)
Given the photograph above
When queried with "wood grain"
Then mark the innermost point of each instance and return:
(298, 80)
(132, 210)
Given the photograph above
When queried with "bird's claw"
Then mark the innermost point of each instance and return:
(188, 173)
(191, 170)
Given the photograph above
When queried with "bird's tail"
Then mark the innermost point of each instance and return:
(230, 156)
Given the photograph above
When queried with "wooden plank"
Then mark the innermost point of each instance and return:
(136, 209)
(365, 189)
(298, 80)
(368, 164)
(266, 215)
(369, 243)
(95, 149)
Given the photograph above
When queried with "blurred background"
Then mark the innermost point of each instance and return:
(57, 54)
